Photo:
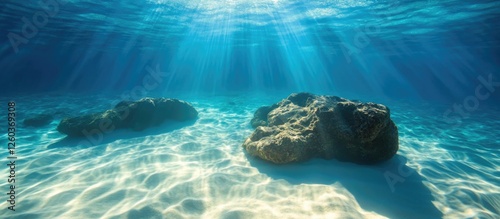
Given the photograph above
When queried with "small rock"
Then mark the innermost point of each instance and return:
(136, 115)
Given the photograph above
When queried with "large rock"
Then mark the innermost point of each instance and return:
(137, 115)
(304, 126)
(260, 116)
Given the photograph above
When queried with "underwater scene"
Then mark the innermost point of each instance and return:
(241, 109)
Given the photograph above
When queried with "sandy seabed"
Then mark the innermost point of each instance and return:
(199, 169)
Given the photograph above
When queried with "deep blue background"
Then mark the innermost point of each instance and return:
(74, 54)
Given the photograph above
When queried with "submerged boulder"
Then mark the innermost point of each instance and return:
(305, 125)
(136, 115)
(260, 116)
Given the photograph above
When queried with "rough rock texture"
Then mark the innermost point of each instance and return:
(137, 115)
(38, 120)
(304, 126)
(260, 116)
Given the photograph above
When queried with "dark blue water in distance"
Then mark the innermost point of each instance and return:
(229, 57)
(399, 49)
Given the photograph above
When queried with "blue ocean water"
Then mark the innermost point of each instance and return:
(435, 64)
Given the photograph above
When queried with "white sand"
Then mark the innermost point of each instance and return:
(201, 170)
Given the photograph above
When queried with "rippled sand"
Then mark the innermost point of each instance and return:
(199, 170)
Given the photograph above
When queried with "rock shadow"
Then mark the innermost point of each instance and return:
(100, 138)
(391, 188)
